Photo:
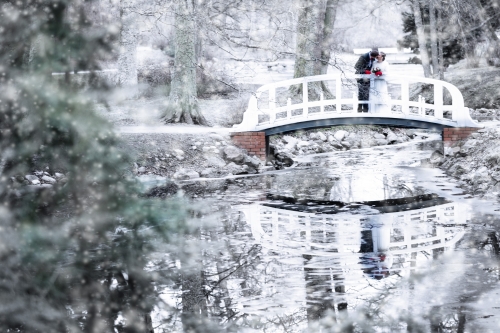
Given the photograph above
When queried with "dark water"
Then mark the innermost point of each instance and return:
(357, 241)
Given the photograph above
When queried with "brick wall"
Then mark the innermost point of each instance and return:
(452, 135)
(253, 142)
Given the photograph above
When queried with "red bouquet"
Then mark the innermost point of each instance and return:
(377, 71)
(367, 71)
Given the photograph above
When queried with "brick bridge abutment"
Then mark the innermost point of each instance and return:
(255, 143)
(452, 135)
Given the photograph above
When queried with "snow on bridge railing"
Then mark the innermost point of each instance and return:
(267, 108)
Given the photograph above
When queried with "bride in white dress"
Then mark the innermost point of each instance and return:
(379, 95)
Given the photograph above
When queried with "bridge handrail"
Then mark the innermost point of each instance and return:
(460, 114)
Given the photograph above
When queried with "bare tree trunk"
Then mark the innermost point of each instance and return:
(306, 47)
(327, 39)
(182, 103)
(127, 64)
(493, 53)
(424, 56)
(314, 39)
(440, 42)
(434, 39)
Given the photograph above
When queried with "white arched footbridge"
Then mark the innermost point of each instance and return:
(270, 111)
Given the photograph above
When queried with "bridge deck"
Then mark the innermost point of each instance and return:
(363, 120)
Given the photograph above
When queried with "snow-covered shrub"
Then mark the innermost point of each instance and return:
(211, 78)
(235, 113)
(153, 71)
(154, 78)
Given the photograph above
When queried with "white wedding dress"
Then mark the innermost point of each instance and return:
(379, 95)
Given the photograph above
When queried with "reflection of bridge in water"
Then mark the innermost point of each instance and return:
(341, 250)
(281, 228)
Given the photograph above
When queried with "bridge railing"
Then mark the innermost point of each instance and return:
(267, 112)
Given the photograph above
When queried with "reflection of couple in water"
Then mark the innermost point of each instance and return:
(373, 94)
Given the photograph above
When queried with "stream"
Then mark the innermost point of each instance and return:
(364, 240)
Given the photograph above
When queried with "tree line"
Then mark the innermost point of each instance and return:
(444, 32)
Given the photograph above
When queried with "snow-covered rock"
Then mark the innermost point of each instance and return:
(393, 138)
(234, 154)
(184, 174)
(39, 187)
(381, 142)
(436, 158)
(339, 135)
(288, 139)
(368, 143)
(336, 145)
(468, 146)
(48, 180)
(236, 169)
(346, 144)
(215, 161)
(208, 172)
(458, 169)
(252, 161)
(302, 144)
(179, 152)
(32, 179)
(217, 137)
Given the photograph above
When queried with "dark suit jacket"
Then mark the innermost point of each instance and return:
(363, 63)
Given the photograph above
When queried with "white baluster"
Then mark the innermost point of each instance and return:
(420, 104)
(355, 102)
(338, 94)
(272, 105)
(371, 105)
(438, 100)
(305, 100)
(289, 108)
(405, 97)
(322, 106)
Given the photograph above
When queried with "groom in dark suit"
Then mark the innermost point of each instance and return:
(364, 66)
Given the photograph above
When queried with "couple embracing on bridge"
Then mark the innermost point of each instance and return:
(373, 95)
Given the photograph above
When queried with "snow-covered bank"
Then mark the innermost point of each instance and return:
(182, 156)
(197, 155)
(474, 162)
